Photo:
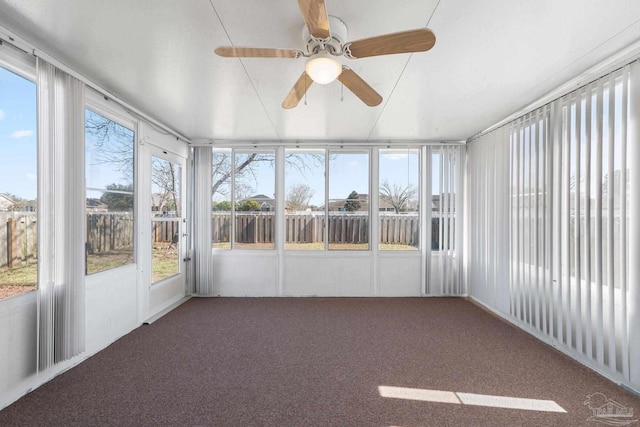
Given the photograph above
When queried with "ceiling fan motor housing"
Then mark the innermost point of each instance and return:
(333, 45)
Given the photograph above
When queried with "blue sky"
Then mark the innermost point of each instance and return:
(348, 171)
(18, 139)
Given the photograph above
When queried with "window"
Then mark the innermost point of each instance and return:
(399, 199)
(304, 199)
(18, 185)
(255, 204)
(109, 170)
(348, 201)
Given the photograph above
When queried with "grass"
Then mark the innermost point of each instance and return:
(109, 260)
(18, 280)
(165, 262)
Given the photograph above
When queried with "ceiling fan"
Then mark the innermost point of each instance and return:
(325, 38)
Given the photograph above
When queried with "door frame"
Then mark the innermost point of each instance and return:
(154, 298)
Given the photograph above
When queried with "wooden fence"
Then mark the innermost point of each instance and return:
(18, 239)
(105, 232)
(108, 231)
(309, 228)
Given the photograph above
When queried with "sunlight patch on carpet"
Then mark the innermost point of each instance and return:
(458, 398)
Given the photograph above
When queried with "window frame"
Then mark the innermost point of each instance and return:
(100, 104)
(23, 65)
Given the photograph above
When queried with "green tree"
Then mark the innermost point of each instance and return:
(248, 206)
(353, 202)
(118, 200)
(223, 206)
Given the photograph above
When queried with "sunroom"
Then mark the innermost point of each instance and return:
(149, 155)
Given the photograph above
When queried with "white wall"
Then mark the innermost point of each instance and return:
(335, 274)
(17, 345)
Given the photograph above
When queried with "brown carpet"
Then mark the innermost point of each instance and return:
(316, 362)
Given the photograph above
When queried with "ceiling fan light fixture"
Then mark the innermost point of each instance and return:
(323, 68)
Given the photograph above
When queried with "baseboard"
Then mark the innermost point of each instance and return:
(166, 310)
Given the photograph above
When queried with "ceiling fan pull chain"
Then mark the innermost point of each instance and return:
(341, 92)
(305, 90)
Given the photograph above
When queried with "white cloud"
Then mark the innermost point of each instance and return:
(31, 176)
(21, 133)
(2, 114)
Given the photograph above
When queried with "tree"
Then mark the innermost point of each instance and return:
(166, 177)
(397, 196)
(223, 206)
(298, 197)
(246, 169)
(113, 143)
(248, 206)
(121, 199)
(353, 202)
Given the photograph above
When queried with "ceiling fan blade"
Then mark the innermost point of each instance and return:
(315, 16)
(256, 52)
(359, 87)
(297, 91)
(419, 40)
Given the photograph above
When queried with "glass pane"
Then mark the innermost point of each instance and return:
(109, 230)
(304, 200)
(108, 153)
(348, 201)
(166, 212)
(255, 202)
(221, 199)
(109, 166)
(399, 199)
(18, 185)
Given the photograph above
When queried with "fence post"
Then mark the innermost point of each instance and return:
(12, 242)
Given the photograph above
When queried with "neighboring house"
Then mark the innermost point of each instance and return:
(7, 203)
(338, 204)
(267, 204)
(96, 206)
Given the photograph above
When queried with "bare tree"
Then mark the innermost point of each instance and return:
(113, 143)
(298, 197)
(247, 168)
(166, 176)
(396, 195)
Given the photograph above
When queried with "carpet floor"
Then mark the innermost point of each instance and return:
(321, 362)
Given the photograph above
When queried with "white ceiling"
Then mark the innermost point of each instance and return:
(491, 58)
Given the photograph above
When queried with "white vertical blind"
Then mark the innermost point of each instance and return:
(571, 201)
(447, 209)
(487, 217)
(203, 275)
(633, 227)
(60, 215)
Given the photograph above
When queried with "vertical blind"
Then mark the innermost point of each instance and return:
(203, 265)
(446, 231)
(487, 218)
(569, 201)
(60, 215)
